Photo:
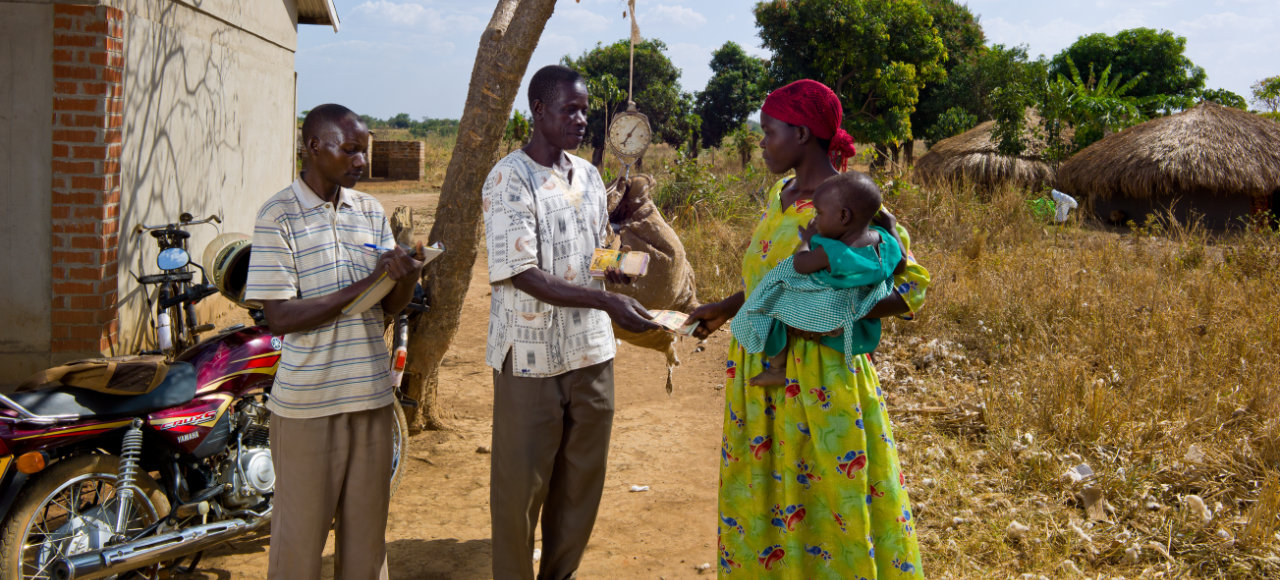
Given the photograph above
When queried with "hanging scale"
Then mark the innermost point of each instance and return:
(629, 134)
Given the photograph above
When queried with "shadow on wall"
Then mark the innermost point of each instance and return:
(182, 139)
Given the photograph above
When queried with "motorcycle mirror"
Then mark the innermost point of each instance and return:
(172, 259)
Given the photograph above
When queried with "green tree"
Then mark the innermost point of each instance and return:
(970, 84)
(605, 95)
(400, 121)
(517, 131)
(963, 38)
(1094, 106)
(744, 142)
(953, 122)
(1132, 52)
(875, 54)
(1266, 94)
(1225, 98)
(737, 86)
(656, 91)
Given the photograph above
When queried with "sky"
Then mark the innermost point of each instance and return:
(415, 56)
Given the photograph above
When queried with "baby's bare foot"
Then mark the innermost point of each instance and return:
(770, 377)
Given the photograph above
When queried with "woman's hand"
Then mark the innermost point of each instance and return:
(712, 316)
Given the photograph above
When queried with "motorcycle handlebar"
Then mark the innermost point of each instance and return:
(184, 221)
(166, 277)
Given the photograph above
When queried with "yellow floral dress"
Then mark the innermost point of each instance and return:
(810, 484)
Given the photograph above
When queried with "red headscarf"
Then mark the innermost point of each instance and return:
(809, 103)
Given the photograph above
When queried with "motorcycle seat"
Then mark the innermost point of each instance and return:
(178, 387)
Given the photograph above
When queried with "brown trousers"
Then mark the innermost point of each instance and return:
(335, 467)
(550, 445)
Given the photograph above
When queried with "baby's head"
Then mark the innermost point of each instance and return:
(845, 202)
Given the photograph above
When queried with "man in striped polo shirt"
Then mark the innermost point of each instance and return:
(317, 245)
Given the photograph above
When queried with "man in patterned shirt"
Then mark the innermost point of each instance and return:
(331, 416)
(550, 342)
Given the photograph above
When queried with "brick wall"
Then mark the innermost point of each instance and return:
(398, 159)
(88, 97)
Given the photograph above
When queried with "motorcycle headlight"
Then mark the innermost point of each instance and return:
(172, 259)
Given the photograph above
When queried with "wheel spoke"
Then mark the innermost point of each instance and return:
(87, 501)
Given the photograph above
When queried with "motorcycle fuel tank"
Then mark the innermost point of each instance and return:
(236, 363)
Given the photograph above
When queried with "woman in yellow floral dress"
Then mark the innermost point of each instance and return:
(810, 483)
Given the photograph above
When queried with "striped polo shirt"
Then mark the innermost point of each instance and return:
(304, 247)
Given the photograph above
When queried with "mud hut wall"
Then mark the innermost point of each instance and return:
(1216, 212)
(398, 160)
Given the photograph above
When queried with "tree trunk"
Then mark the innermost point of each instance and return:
(881, 159)
(909, 148)
(597, 156)
(501, 61)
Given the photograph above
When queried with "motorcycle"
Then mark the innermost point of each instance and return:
(166, 456)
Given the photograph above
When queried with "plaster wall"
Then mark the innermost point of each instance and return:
(208, 127)
(26, 104)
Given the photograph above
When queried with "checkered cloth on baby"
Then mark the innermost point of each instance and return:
(801, 302)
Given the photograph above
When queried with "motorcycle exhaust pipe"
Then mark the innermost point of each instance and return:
(148, 551)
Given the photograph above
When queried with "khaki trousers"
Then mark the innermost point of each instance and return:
(550, 445)
(335, 467)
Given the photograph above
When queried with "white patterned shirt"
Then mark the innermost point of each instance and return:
(536, 218)
(304, 247)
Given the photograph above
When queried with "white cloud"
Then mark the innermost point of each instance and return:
(668, 14)
(403, 14)
(583, 20)
(1228, 22)
(411, 15)
(354, 46)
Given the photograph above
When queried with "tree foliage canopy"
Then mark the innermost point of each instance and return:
(417, 129)
(1092, 106)
(1132, 52)
(737, 86)
(875, 54)
(1266, 93)
(1225, 98)
(656, 91)
(964, 40)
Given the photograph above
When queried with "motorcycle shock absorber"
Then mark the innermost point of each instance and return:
(127, 479)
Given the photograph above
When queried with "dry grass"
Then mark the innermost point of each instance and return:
(1149, 356)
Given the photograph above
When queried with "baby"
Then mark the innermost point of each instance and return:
(845, 264)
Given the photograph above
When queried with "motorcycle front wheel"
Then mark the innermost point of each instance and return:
(70, 508)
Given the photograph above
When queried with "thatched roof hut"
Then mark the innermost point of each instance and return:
(1218, 162)
(971, 157)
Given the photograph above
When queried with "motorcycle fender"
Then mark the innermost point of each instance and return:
(11, 483)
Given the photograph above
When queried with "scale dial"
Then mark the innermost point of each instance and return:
(629, 134)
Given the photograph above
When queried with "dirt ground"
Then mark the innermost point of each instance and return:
(439, 522)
